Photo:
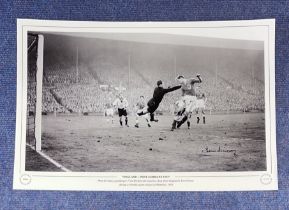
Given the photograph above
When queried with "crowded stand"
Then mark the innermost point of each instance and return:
(91, 83)
(86, 95)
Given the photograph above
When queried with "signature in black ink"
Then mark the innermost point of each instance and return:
(208, 150)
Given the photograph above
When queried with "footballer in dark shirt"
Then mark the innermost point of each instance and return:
(155, 101)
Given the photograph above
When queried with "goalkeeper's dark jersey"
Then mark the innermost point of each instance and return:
(159, 93)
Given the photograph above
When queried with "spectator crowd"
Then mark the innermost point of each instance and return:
(67, 89)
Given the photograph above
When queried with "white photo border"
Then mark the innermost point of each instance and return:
(174, 181)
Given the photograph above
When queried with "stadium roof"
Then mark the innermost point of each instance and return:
(162, 38)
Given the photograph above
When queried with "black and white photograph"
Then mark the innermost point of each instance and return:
(140, 100)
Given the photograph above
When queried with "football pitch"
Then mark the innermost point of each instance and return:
(227, 142)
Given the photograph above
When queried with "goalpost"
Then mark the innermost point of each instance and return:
(35, 50)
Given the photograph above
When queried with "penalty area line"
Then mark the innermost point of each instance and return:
(58, 165)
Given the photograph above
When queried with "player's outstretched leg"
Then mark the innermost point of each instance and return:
(182, 121)
(138, 115)
(174, 125)
(153, 118)
(147, 120)
(120, 121)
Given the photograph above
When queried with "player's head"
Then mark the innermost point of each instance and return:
(180, 79)
(141, 97)
(159, 83)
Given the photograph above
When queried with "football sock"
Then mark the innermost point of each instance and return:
(152, 116)
(174, 124)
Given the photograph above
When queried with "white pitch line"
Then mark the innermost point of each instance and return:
(58, 165)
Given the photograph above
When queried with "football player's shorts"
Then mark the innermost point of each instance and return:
(152, 106)
(109, 112)
(122, 112)
(201, 104)
(190, 103)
